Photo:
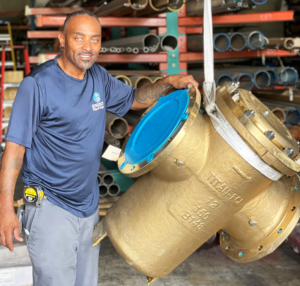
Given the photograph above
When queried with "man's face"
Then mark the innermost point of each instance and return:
(82, 41)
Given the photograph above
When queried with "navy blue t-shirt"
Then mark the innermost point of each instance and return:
(61, 122)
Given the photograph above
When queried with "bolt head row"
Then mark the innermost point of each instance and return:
(270, 135)
(250, 113)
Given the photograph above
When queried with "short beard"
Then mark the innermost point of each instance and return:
(68, 55)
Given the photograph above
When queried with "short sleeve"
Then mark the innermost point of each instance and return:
(119, 96)
(26, 113)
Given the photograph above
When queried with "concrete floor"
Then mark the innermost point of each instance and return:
(206, 268)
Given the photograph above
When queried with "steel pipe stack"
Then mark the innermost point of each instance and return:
(156, 7)
(293, 116)
(168, 43)
(107, 185)
(255, 40)
(287, 75)
(280, 114)
(103, 191)
(247, 176)
(273, 75)
(117, 127)
(140, 81)
(282, 75)
(144, 43)
(223, 76)
(261, 77)
(280, 43)
(221, 6)
(113, 190)
(255, 76)
(120, 7)
(238, 41)
(155, 78)
(123, 78)
(246, 80)
(221, 42)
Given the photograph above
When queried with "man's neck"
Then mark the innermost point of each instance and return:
(69, 68)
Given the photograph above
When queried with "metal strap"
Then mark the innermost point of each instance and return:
(222, 126)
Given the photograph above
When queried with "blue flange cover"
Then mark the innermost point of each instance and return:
(156, 127)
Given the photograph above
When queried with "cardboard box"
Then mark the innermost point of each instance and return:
(10, 93)
(7, 111)
(13, 76)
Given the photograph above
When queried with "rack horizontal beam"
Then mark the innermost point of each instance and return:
(189, 57)
(42, 34)
(58, 21)
(117, 58)
(240, 18)
(48, 34)
(54, 11)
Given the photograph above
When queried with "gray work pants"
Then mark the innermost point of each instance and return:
(60, 246)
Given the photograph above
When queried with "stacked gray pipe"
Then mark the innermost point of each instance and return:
(149, 43)
(107, 185)
(282, 75)
(293, 116)
(249, 79)
(144, 43)
(223, 42)
(221, 6)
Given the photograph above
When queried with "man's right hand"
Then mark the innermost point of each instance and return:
(9, 225)
(11, 164)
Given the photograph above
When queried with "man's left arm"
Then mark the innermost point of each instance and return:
(147, 95)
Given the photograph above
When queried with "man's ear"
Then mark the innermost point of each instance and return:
(62, 38)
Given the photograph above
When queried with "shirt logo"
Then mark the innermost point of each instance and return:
(96, 97)
(99, 104)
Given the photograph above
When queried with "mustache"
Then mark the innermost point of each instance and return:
(85, 53)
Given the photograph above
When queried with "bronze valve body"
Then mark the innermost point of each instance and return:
(197, 184)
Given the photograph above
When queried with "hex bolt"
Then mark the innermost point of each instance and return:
(270, 135)
(253, 222)
(173, 65)
(173, 56)
(235, 96)
(232, 86)
(179, 163)
(289, 152)
(250, 114)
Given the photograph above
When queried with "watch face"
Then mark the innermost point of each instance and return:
(30, 195)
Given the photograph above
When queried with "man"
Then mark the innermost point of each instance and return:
(57, 130)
